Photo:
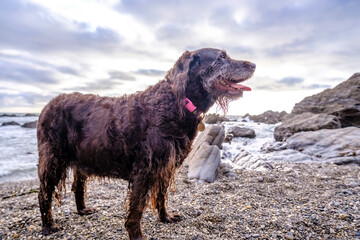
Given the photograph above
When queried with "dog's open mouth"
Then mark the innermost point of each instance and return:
(231, 86)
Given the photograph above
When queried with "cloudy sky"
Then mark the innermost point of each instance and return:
(113, 47)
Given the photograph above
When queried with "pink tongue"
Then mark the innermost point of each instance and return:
(239, 86)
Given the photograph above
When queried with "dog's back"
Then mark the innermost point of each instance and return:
(83, 131)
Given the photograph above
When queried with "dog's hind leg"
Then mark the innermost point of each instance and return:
(164, 216)
(137, 203)
(50, 170)
(79, 188)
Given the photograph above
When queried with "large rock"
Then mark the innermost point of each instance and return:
(31, 115)
(214, 118)
(237, 131)
(204, 159)
(29, 124)
(338, 146)
(305, 122)
(342, 101)
(205, 164)
(11, 123)
(269, 117)
(7, 115)
(246, 160)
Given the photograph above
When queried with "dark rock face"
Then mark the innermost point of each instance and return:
(241, 132)
(29, 125)
(269, 117)
(333, 108)
(214, 118)
(342, 101)
(12, 123)
(305, 122)
(340, 146)
(7, 115)
(31, 115)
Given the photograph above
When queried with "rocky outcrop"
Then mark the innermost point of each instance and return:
(269, 117)
(31, 115)
(333, 108)
(338, 146)
(11, 123)
(214, 118)
(237, 131)
(7, 115)
(246, 160)
(204, 159)
(305, 122)
(29, 124)
(342, 101)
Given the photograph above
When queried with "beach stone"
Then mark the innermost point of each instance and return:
(338, 146)
(11, 123)
(269, 117)
(7, 115)
(289, 155)
(305, 122)
(214, 118)
(29, 124)
(204, 159)
(260, 179)
(245, 160)
(237, 131)
(228, 138)
(289, 236)
(213, 135)
(30, 115)
(204, 166)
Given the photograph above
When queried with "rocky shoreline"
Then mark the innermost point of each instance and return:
(306, 185)
(290, 201)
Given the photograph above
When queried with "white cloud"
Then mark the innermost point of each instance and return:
(77, 44)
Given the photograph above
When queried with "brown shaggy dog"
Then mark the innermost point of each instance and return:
(141, 138)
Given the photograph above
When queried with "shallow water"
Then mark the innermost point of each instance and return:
(264, 133)
(18, 147)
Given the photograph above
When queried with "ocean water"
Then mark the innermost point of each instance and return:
(18, 148)
(264, 134)
(19, 157)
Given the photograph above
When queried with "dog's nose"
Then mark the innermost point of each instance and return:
(252, 65)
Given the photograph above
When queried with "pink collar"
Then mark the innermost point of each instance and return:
(191, 107)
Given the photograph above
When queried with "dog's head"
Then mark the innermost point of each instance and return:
(207, 75)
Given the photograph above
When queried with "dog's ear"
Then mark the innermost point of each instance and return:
(181, 73)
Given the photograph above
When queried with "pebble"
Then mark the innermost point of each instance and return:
(210, 211)
(289, 236)
(260, 179)
(346, 192)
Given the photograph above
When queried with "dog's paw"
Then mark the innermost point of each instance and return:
(86, 211)
(51, 229)
(169, 218)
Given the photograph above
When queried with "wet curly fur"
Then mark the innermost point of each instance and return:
(142, 137)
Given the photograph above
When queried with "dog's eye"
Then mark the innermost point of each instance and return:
(222, 55)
